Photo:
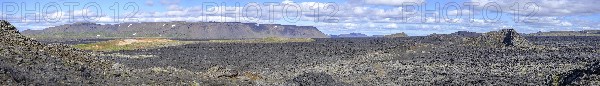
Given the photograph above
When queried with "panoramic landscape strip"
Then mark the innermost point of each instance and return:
(300, 42)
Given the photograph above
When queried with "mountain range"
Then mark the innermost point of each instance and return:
(188, 30)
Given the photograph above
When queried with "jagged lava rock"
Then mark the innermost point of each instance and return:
(502, 38)
(24, 61)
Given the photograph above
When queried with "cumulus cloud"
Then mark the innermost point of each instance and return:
(169, 2)
(460, 12)
(349, 17)
(149, 3)
(287, 1)
(174, 8)
(544, 7)
(392, 2)
(547, 22)
(391, 26)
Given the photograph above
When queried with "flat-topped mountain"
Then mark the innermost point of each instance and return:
(466, 34)
(190, 30)
(349, 35)
(396, 35)
(460, 34)
(568, 33)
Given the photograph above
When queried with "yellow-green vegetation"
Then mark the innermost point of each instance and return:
(555, 80)
(130, 44)
(252, 76)
(266, 40)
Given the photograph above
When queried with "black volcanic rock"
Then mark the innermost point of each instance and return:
(24, 61)
(575, 75)
(502, 38)
(191, 30)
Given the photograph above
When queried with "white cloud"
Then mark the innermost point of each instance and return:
(350, 26)
(393, 2)
(352, 18)
(360, 10)
(545, 7)
(174, 8)
(460, 12)
(169, 2)
(149, 3)
(565, 24)
(287, 1)
(391, 26)
(547, 21)
(371, 25)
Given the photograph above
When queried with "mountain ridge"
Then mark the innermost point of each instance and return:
(177, 29)
(567, 33)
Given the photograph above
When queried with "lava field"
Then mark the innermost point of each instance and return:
(379, 61)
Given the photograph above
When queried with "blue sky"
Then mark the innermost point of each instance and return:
(372, 17)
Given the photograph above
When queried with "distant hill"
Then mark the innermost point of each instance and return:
(377, 36)
(460, 34)
(466, 34)
(350, 35)
(567, 33)
(396, 35)
(191, 30)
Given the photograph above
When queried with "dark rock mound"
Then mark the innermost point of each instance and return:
(396, 35)
(24, 61)
(316, 79)
(502, 38)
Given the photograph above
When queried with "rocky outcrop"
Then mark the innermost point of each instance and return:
(190, 30)
(502, 38)
(396, 35)
(575, 76)
(24, 61)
